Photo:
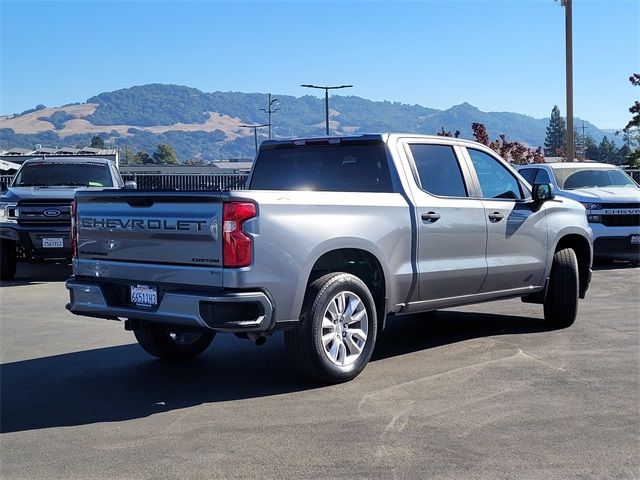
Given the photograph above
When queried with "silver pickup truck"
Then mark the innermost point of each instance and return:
(333, 237)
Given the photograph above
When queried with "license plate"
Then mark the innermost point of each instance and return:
(144, 295)
(52, 243)
(635, 239)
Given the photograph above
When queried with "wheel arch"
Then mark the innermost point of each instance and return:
(361, 263)
(584, 254)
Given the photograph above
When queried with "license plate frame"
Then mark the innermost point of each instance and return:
(635, 239)
(143, 296)
(52, 242)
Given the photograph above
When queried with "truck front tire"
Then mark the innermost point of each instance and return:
(170, 345)
(336, 335)
(561, 302)
(8, 259)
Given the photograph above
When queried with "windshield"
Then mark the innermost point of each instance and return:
(63, 174)
(572, 178)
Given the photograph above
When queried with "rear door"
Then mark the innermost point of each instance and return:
(451, 223)
(516, 227)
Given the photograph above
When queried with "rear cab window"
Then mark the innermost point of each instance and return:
(324, 168)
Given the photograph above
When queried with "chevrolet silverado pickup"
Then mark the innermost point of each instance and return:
(333, 238)
(35, 223)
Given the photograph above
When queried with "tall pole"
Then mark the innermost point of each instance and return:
(584, 147)
(326, 110)
(568, 20)
(326, 100)
(269, 111)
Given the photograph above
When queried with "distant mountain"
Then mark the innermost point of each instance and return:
(208, 126)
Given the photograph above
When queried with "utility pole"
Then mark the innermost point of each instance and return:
(568, 20)
(326, 99)
(255, 133)
(269, 111)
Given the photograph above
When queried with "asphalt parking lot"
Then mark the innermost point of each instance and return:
(482, 392)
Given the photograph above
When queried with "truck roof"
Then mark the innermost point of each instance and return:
(365, 138)
(67, 159)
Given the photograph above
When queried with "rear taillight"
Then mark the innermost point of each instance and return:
(236, 251)
(74, 228)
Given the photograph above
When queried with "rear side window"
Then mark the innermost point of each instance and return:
(528, 174)
(535, 175)
(439, 170)
(323, 168)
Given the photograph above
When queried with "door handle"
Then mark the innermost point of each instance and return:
(496, 216)
(431, 216)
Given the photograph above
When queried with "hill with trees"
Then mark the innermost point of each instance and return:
(208, 126)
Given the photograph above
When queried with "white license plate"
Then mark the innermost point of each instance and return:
(635, 239)
(144, 296)
(52, 243)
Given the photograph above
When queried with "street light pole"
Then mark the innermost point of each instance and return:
(326, 100)
(568, 31)
(255, 133)
(269, 111)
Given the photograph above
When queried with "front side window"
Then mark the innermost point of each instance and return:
(63, 174)
(495, 180)
(439, 170)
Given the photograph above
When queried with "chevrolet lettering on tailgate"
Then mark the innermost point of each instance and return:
(93, 223)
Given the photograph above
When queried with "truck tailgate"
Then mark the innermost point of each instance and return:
(150, 227)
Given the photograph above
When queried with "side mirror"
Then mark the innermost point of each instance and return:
(130, 185)
(542, 192)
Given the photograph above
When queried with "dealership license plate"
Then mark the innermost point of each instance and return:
(144, 296)
(635, 239)
(52, 243)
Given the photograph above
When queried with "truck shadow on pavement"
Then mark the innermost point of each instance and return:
(122, 382)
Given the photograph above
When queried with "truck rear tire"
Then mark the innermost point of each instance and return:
(8, 259)
(561, 302)
(170, 345)
(336, 335)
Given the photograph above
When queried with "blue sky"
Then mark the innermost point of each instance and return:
(502, 55)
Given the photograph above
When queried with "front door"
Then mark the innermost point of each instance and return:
(516, 227)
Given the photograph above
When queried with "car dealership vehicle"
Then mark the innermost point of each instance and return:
(35, 223)
(610, 196)
(334, 236)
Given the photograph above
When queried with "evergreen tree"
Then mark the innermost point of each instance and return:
(556, 138)
(607, 151)
(590, 148)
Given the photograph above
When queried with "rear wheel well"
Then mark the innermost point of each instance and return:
(360, 263)
(580, 246)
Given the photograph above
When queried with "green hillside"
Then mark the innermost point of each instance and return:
(129, 114)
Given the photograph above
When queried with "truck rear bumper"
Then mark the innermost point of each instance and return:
(223, 312)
